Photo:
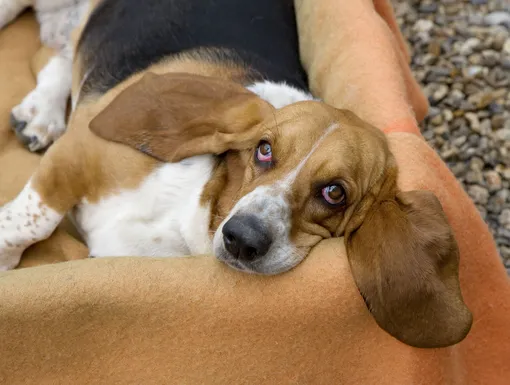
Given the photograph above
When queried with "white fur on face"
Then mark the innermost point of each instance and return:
(23, 222)
(270, 204)
(279, 94)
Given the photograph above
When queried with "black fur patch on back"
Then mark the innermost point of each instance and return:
(123, 37)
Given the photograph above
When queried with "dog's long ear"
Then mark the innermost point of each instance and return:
(175, 116)
(405, 262)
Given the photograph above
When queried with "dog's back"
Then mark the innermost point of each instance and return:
(125, 37)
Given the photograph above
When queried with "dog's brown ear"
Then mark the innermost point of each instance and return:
(405, 262)
(175, 116)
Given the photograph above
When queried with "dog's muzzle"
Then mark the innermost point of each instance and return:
(246, 238)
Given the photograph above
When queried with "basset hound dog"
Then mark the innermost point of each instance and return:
(192, 131)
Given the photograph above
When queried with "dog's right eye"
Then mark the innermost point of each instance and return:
(264, 154)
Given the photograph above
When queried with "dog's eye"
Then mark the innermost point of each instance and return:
(334, 194)
(264, 153)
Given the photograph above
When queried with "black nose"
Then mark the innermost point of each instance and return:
(246, 237)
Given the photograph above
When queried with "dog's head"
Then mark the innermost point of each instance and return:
(301, 174)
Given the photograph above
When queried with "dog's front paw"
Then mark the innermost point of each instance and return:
(9, 257)
(10, 249)
(38, 121)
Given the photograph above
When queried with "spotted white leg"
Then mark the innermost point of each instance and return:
(9, 9)
(23, 222)
(40, 118)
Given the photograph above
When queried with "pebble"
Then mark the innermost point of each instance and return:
(439, 94)
(505, 63)
(506, 47)
(469, 46)
(493, 180)
(490, 58)
(497, 18)
(476, 164)
(473, 71)
(423, 25)
(504, 218)
(503, 134)
(428, 7)
(473, 120)
(479, 194)
(497, 121)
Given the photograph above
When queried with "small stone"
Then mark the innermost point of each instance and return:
(440, 130)
(478, 2)
(475, 59)
(447, 115)
(479, 194)
(469, 46)
(481, 99)
(439, 94)
(506, 174)
(423, 25)
(496, 203)
(484, 143)
(453, 9)
(504, 218)
(490, 58)
(505, 63)
(496, 108)
(475, 177)
(455, 98)
(457, 142)
(498, 40)
(503, 134)
(498, 78)
(473, 139)
(437, 120)
(458, 169)
(450, 153)
(435, 74)
(493, 180)
(485, 128)
(476, 164)
(428, 7)
(473, 71)
(473, 121)
(506, 47)
(497, 121)
(497, 18)
(503, 196)
(434, 48)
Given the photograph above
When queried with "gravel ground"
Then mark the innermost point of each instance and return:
(461, 56)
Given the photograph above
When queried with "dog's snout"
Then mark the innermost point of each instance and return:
(246, 237)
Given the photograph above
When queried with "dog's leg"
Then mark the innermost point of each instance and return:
(38, 209)
(9, 9)
(40, 118)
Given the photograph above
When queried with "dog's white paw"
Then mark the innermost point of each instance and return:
(39, 120)
(10, 247)
(9, 257)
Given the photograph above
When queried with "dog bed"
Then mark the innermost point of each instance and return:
(193, 320)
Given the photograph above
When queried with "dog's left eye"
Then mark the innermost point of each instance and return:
(264, 153)
(334, 194)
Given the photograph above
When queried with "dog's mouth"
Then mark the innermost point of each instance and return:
(235, 263)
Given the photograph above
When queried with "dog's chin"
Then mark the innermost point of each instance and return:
(260, 267)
